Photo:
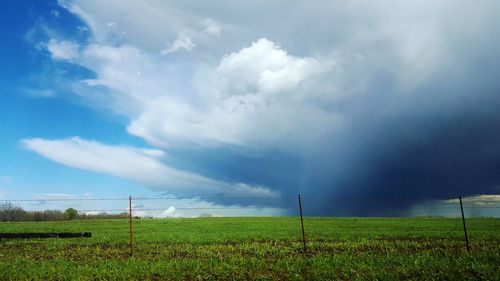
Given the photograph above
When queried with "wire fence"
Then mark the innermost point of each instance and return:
(136, 209)
(287, 204)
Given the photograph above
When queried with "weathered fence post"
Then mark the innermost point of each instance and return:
(463, 221)
(302, 224)
(130, 223)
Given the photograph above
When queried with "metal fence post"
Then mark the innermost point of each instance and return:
(130, 223)
(463, 221)
(302, 224)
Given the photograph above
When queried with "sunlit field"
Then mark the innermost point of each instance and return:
(268, 248)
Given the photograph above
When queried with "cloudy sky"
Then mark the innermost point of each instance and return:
(373, 107)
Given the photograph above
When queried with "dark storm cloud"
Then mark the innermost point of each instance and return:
(440, 141)
(404, 144)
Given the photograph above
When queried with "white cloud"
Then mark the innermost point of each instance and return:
(145, 23)
(209, 106)
(62, 50)
(181, 42)
(211, 27)
(131, 163)
(484, 199)
(170, 213)
(249, 97)
(140, 165)
(241, 104)
(265, 67)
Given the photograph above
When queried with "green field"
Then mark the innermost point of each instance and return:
(256, 249)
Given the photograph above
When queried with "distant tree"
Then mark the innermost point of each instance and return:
(11, 212)
(71, 213)
(36, 216)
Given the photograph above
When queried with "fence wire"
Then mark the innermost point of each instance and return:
(323, 205)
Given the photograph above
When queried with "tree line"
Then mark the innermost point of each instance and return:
(11, 212)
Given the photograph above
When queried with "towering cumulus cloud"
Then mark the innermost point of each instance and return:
(371, 106)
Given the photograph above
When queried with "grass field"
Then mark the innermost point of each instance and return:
(256, 249)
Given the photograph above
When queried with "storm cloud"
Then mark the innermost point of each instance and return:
(371, 106)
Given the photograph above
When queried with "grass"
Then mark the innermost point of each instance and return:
(256, 249)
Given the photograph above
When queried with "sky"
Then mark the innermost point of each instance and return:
(365, 108)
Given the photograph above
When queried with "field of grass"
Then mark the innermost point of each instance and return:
(256, 249)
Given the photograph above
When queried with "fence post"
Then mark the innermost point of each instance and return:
(302, 224)
(130, 223)
(463, 221)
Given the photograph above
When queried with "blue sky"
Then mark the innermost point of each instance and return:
(26, 71)
(394, 104)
